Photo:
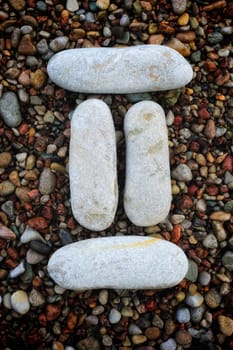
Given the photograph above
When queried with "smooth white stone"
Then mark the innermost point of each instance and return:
(120, 70)
(92, 165)
(120, 262)
(147, 195)
(20, 302)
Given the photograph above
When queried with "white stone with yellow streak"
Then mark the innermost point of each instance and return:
(121, 262)
(120, 70)
(147, 195)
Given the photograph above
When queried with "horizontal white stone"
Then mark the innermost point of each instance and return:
(121, 262)
(147, 194)
(120, 70)
(92, 165)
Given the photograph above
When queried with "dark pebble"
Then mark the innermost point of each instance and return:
(65, 237)
(40, 247)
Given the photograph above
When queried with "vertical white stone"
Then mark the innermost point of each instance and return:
(92, 165)
(147, 195)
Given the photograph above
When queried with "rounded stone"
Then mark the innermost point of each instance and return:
(227, 260)
(147, 194)
(182, 173)
(139, 68)
(58, 43)
(92, 165)
(114, 316)
(47, 181)
(169, 344)
(122, 262)
(213, 298)
(5, 159)
(10, 110)
(183, 315)
(204, 278)
(210, 241)
(20, 302)
(194, 300)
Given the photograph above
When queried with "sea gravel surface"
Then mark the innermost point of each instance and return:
(35, 313)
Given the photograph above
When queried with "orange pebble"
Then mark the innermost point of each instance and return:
(23, 128)
(176, 233)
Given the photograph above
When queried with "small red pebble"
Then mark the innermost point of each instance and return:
(210, 66)
(23, 129)
(203, 114)
(185, 202)
(33, 194)
(38, 223)
(212, 190)
(151, 305)
(227, 164)
(192, 189)
(178, 120)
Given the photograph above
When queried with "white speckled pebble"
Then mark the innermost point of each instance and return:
(120, 70)
(20, 302)
(122, 262)
(147, 195)
(92, 165)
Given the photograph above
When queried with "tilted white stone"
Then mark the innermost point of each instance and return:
(92, 165)
(147, 194)
(122, 262)
(120, 70)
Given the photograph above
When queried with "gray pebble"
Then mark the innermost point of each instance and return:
(214, 38)
(90, 18)
(228, 206)
(10, 110)
(197, 313)
(114, 316)
(196, 56)
(41, 6)
(204, 278)
(143, 96)
(134, 329)
(103, 296)
(107, 32)
(210, 241)
(42, 47)
(182, 173)
(183, 315)
(33, 258)
(192, 271)
(47, 181)
(72, 5)
(26, 29)
(179, 6)
(228, 178)
(92, 320)
(36, 299)
(157, 321)
(194, 300)
(40, 247)
(227, 260)
(23, 95)
(226, 30)
(65, 237)
(15, 37)
(169, 344)
(58, 43)
(32, 62)
(124, 21)
(8, 208)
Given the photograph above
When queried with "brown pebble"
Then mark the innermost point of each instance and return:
(27, 19)
(210, 129)
(38, 79)
(223, 78)
(156, 39)
(152, 333)
(220, 216)
(3, 274)
(14, 178)
(6, 233)
(186, 37)
(177, 45)
(213, 298)
(216, 5)
(6, 188)
(5, 159)
(17, 5)
(169, 326)
(228, 163)
(183, 337)
(184, 202)
(139, 339)
(88, 343)
(22, 194)
(26, 46)
(226, 325)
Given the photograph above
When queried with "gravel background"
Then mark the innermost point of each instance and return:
(34, 183)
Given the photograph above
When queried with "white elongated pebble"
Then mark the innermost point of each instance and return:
(92, 165)
(147, 194)
(120, 70)
(122, 262)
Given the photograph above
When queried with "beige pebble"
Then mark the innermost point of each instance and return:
(5, 159)
(6, 188)
(20, 302)
(220, 216)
